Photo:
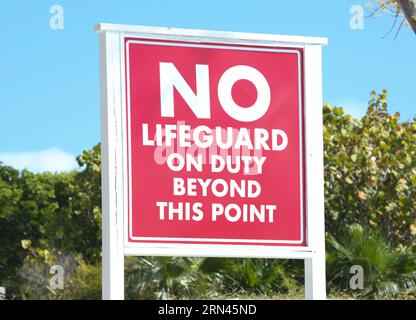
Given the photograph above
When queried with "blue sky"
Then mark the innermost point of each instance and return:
(49, 97)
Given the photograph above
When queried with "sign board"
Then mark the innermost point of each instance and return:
(211, 146)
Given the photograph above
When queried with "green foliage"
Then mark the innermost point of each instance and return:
(370, 180)
(252, 276)
(388, 272)
(81, 280)
(84, 283)
(190, 278)
(370, 172)
(12, 225)
(55, 212)
(162, 277)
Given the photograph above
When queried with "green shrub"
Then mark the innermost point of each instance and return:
(163, 278)
(370, 180)
(388, 272)
(81, 281)
(265, 277)
(370, 171)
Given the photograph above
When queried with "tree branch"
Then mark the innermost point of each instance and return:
(400, 27)
(409, 9)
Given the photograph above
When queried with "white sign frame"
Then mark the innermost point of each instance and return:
(114, 163)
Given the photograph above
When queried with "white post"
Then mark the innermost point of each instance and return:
(315, 278)
(2, 293)
(112, 234)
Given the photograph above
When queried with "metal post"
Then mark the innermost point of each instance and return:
(112, 232)
(315, 279)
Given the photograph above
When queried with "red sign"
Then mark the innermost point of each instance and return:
(214, 143)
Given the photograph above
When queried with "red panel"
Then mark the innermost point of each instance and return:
(151, 179)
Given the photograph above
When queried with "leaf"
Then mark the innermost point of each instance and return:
(413, 228)
(26, 244)
(362, 195)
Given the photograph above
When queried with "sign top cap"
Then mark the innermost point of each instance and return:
(194, 34)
